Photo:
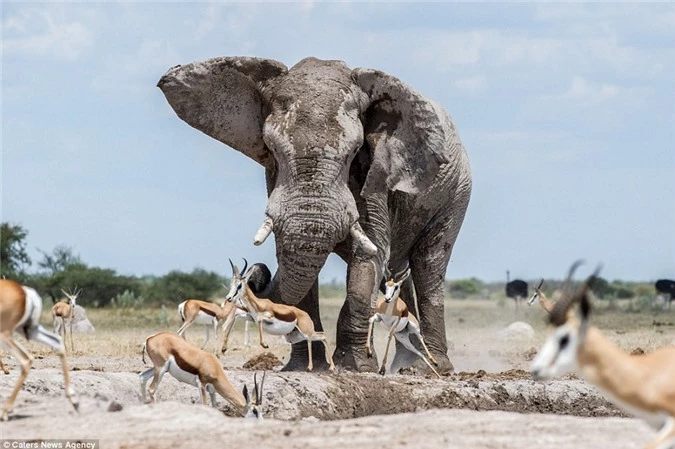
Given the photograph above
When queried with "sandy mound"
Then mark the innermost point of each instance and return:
(262, 362)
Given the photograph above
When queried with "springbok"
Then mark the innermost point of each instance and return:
(64, 312)
(171, 354)
(539, 296)
(276, 319)
(641, 384)
(394, 314)
(20, 310)
(195, 311)
(210, 315)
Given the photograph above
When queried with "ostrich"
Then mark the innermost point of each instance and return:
(666, 287)
(515, 289)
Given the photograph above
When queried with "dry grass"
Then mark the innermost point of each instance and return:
(472, 328)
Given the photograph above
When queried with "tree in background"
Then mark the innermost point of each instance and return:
(464, 288)
(14, 259)
(177, 286)
(62, 269)
(59, 260)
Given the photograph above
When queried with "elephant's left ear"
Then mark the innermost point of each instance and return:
(410, 136)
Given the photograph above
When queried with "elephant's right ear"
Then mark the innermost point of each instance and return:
(222, 98)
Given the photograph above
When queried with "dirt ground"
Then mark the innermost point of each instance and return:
(464, 410)
(491, 402)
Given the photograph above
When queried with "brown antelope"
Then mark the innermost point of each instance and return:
(64, 312)
(541, 297)
(393, 313)
(276, 319)
(643, 385)
(20, 310)
(171, 354)
(194, 311)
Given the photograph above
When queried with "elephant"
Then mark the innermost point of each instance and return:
(356, 163)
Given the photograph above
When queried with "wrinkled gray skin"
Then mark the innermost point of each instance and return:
(340, 146)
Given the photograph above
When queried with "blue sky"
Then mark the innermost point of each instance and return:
(567, 112)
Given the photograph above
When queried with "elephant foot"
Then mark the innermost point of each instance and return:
(299, 360)
(442, 363)
(355, 358)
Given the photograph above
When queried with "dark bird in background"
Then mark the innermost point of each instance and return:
(666, 287)
(516, 289)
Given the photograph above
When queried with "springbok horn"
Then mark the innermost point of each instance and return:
(262, 381)
(235, 270)
(245, 265)
(387, 273)
(558, 315)
(364, 242)
(400, 273)
(263, 232)
(540, 284)
(567, 285)
(255, 387)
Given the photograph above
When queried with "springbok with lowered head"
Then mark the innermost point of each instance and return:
(64, 313)
(276, 319)
(171, 354)
(20, 310)
(643, 385)
(393, 313)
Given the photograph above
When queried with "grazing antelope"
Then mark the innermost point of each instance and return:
(20, 310)
(393, 313)
(276, 319)
(171, 354)
(643, 385)
(64, 312)
(543, 300)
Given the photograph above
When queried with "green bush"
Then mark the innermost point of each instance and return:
(464, 288)
(128, 299)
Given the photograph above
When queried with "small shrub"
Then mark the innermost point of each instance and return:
(127, 300)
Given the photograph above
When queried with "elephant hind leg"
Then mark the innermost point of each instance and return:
(352, 345)
(428, 263)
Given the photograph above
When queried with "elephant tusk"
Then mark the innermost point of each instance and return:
(263, 232)
(362, 239)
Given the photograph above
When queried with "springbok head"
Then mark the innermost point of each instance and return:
(237, 282)
(392, 288)
(537, 293)
(254, 407)
(558, 355)
(72, 295)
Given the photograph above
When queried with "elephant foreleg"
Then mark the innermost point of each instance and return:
(351, 352)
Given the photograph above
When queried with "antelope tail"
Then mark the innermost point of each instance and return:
(181, 311)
